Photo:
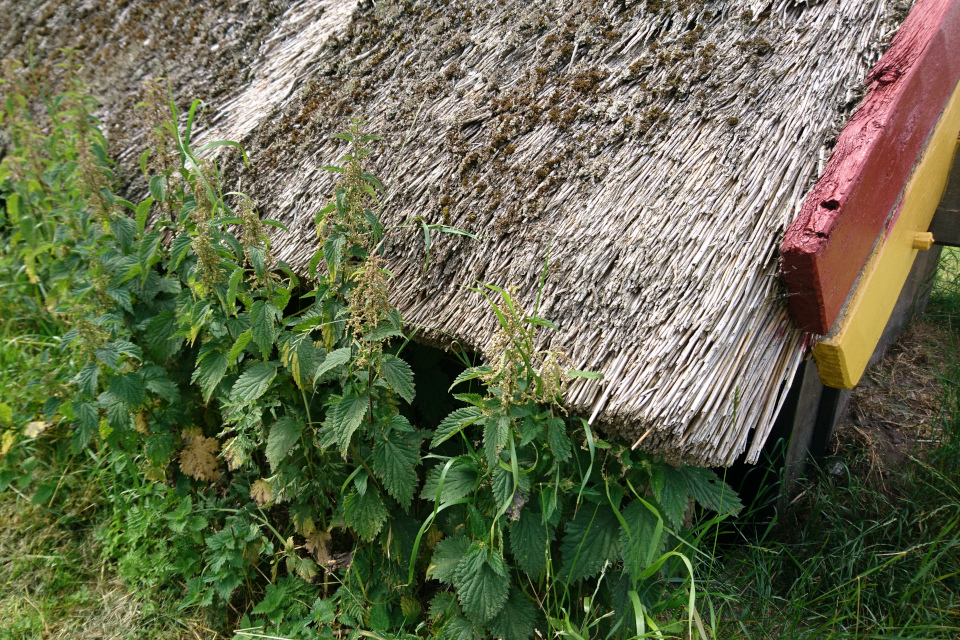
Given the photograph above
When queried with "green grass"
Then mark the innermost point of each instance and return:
(55, 582)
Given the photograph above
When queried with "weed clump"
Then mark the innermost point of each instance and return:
(253, 427)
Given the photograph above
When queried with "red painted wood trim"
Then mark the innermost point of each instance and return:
(825, 248)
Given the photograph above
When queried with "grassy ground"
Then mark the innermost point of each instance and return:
(869, 549)
(54, 582)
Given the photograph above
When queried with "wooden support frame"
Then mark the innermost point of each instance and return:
(849, 208)
(843, 354)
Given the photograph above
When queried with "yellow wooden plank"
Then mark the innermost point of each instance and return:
(843, 354)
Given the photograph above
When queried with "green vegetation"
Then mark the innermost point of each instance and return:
(199, 442)
(237, 442)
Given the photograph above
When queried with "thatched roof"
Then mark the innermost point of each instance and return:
(658, 148)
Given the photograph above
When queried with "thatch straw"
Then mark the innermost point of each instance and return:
(659, 149)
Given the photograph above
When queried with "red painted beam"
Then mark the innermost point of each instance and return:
(827, 245)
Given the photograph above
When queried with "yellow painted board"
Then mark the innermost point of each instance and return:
(843, 354)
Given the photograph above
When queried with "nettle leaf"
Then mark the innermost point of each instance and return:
(528, 542)
(673, 496)
(399, 376)
(178, 250)
(446, 555)
(129, 388)
(159, 448)
(589, 541)
(263, 323)
(642, 545)
(158, 188)
(254, 382)
(453, 424)
(365, 513)
(233, 285)
(284, 433)
(482, 583)
(242, 341)
(394, 462)
(87, 423)
(710, 491)
(444, 605)
(470, 374)
(299, 356)
(503, 486)
(517, 619)
(558, 440)
(160, 336)
(346, 416)
(209, 372)
(459, 628)
(460, 482)
(332, 360)
(164, 387)
(87, 379)
(495, 434)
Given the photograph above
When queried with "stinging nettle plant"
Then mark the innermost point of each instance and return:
(266, 413)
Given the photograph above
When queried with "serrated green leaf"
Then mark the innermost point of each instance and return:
(232, 286)
(453, 424)
(673, 496)
(242, 341)
(590, 540)
(299, 356)
(87, 379)
(164, 387)
(382, 332)
(470, 374)
(399, 376)
(558, 440)
(495, 434)
(710, 491)
(446, 555)
(209, 373)
(503, 492)
(459, 628)
(178, 249)
(642, 544)
(284, 433)
(159, 448)
(345, 416)
(263, 324)
(400, 424)
(444, 605)
(482, 583)
(142, 211)
(158, 188)
(254, 382)
(332, 360)
(394, 462)
(460, 482)
(517, 619)
(528, 542)
(128, 388)
(147, 253)
(87, 423)
(6, 414)
(365, 513)
(161, 337)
